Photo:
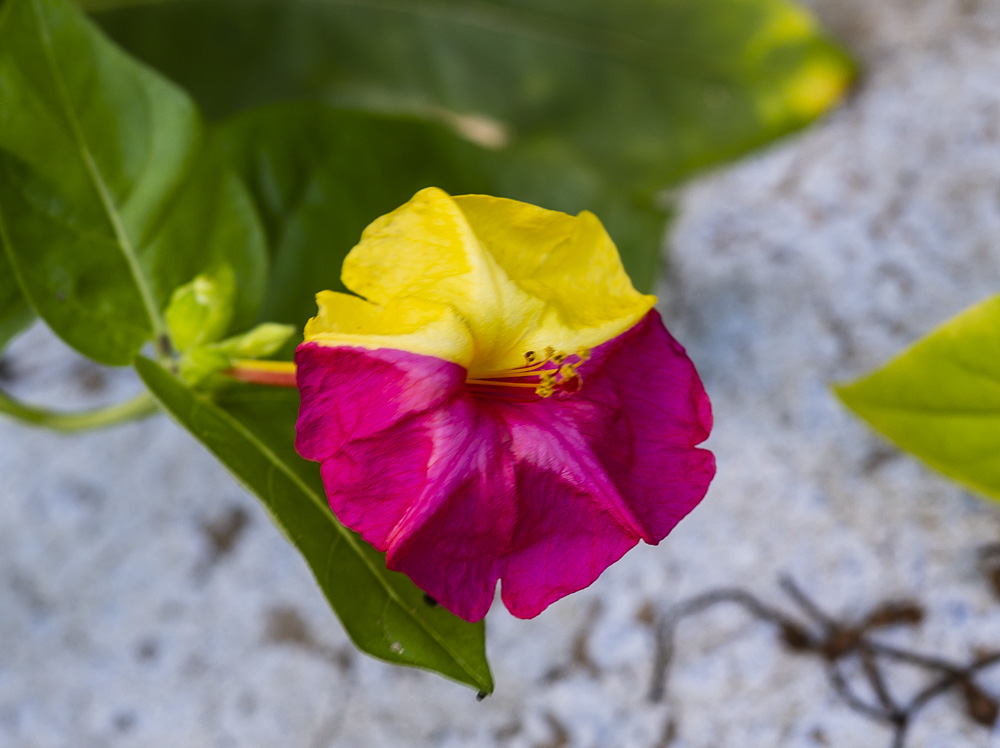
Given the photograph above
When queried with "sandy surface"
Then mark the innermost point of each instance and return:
(146, 600)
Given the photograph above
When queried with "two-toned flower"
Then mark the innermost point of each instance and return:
(498, 403)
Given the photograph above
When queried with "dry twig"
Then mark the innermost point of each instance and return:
(838, 643)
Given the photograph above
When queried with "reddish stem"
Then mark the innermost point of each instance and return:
(261, 374)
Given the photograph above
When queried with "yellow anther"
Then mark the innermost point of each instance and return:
(547, 384)
(542, 378)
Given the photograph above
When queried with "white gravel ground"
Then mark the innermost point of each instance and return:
(127, 620)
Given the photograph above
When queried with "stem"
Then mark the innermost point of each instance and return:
(111, 415)
(272, 373)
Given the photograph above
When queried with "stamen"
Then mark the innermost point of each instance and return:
(543, 376)
(501, 373)
(494, 383)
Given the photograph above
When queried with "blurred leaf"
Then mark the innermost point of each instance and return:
(198, 364)
(319, 176)
(15, 316)
(109, 198)
(644, 90)
(264, 340)
(940, 399)
(252, 431)
(15, 313)
(200, 311)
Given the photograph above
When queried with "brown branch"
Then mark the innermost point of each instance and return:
(664, 651)
(836, 641)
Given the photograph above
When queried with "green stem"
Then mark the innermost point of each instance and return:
(138, 407)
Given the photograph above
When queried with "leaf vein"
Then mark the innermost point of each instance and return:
(97, 179)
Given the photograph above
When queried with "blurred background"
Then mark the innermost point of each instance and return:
(147, 600)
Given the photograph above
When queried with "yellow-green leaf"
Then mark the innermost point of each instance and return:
(940, 399)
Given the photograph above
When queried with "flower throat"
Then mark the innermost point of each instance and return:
(542, 375)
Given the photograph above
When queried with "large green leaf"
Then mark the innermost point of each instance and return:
(15, 316)
(646, 90)
(320, 175)
(252, 430)
(940, 399)
(109, 198)
(15, 313)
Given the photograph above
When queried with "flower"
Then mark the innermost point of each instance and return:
(498, 403)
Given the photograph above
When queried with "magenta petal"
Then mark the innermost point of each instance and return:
(451, 542)
(355, 393)
(410, 463)
(642, 412)
(460, 490)
(362, 416)
(564, 540)
(371, 484)
(600, 469)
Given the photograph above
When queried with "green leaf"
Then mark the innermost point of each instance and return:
(645, 90)
(319, 177)
(15, 316)
(200, 311)
(264, 340)
(15, 313)
(252, 430)
(109, 197)
(940, 399)
(197, 365)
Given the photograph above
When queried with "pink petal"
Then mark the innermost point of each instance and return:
(564, 540)
(641, 412)
(462, 490)
(363, 417)
(602, 468)
(451, 542)
(410, 463)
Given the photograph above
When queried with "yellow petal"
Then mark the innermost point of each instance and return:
(406, 324)
(479, 281)
(567, 262)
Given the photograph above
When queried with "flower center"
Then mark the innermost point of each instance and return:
(542, 375)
